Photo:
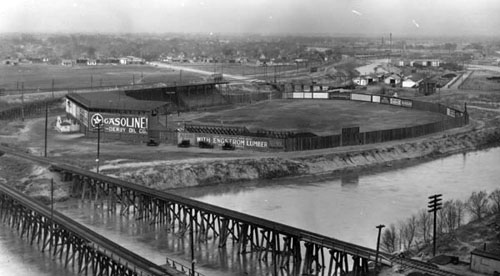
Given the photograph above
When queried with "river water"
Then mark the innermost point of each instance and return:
(347, 208)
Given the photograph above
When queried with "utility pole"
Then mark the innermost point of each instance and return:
(51, 211)
(191, 234)
(52, 88)
(98, 146)
(46, 123)
(91, 82)
(22, 101)
(379, 227)
(434, 205)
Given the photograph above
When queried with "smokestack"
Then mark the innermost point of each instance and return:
(390, 42)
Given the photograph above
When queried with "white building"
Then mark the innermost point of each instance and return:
(485, 261)
(360, 81)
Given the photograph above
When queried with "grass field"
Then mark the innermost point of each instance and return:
(40, 76)
(479, 81)
(319, 116)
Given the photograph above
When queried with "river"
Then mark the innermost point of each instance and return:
(347, 208)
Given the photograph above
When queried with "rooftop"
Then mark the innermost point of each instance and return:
(113, 100)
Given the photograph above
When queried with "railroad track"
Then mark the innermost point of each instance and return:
(426, 267)
(304, 235)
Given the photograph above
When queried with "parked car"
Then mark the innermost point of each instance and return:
(228, 146)
(152, 143)
(205, 145)
(184, 144)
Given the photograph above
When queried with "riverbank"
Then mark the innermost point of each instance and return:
(189, 173)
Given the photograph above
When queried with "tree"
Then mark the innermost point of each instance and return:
(478, 204)
(495, 201)
(460, 207)
(450, 216)
(408, 230)
(390, 239)
(424, 224)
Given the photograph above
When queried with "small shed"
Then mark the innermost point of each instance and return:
(486, 260)
(427, 86)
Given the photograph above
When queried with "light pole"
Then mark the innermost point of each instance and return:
(379, 227)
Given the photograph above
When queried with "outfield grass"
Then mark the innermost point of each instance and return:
(40, 76)
(322, 117)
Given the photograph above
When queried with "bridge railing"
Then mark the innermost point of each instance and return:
(180, 267)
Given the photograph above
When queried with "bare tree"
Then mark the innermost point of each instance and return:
(450, 216)
(390, 239)
(408, 232)
(495, 201)
(424, 224)
(478, 204)
(460, 207)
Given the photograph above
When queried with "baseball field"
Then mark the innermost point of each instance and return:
(322, 117)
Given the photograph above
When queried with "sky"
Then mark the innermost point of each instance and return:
(363, 17)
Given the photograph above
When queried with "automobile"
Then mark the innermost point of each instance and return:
(152, 143)
(184, 144)
(228, 146)
(205, 145)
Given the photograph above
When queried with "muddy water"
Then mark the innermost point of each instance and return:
(347, 208)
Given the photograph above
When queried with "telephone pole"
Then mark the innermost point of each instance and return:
(434, 205)
(379, 227)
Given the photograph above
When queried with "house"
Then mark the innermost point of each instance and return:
(67, 62)
(131, 60)
(486, 260)
(361, 80)
(425, 62)
(82, 61)
(411, 81)
(408, 83)
(401, 63)
(393, 79)
(10, 61)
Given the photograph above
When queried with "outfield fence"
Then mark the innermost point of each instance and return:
(351, 136)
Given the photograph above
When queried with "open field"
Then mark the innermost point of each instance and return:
(40, 76)
(318, 116)
(479, 81)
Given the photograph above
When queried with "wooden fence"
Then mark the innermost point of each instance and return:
(28, 110)
(351, 136)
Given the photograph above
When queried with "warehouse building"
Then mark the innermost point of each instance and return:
(119, 116)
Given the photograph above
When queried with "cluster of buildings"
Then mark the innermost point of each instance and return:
(110, 60)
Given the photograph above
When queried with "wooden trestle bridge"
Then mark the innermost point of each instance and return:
(289, 250)
(74, 244)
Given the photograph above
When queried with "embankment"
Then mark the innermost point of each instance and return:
(168, 174)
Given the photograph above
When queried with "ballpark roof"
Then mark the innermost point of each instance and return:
(113, 100)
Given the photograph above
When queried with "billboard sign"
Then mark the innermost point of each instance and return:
(406, 103)
(116, 123)
(395, 101)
